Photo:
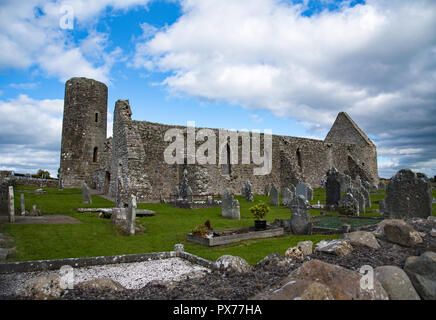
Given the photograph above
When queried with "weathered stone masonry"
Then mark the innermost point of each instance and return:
(133, 160)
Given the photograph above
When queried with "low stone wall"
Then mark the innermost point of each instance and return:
(46, 265)
(26, 181)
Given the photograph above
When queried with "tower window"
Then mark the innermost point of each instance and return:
(95, 155)
(96, 117)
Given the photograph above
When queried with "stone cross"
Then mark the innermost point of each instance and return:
(274, 195)
(11, 205)
(22, 204)
(86, 193)
(131, 215)
(300, 217)
(359, 197)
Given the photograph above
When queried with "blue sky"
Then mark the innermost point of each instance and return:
(289, 66)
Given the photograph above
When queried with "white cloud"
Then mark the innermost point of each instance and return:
(375, 61)
(30, 35)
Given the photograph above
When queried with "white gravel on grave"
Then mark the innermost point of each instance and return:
(133, 275)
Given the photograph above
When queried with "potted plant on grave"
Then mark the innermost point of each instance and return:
(259, 212)
(202, 230)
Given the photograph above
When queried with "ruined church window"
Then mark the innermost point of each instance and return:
(300, 163)
(226, 168)
(95, 155)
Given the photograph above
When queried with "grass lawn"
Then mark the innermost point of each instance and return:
(97, 237)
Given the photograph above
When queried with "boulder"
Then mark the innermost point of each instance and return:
(339, 247)
(100, 284)
(396, 283)
(43, 288)
(362, 238)
(232, 263)
(400, 232)
(305, 247)
(274, 260)
(422, 272)
(319, 280)
(299, 290)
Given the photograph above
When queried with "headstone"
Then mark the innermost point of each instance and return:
(300, 217)
(189, 194)
(381, 185)
(286, 194)
(367, 186)
(35, 212)
(309, 193)
(176, 193)
(119, 216)
(86, 194)
(367, 196)
(266, 190)
(131, 215)
(274, 195)
(248, 192)
(345, 181)
(381, 207)
(348, 205)
(357, 182)
(61, 184)
(408, 195)
(333, 188)
(22, 204)
(230, 206)
(11, 205)
(184, 186)
(301, 190)
(359, 197)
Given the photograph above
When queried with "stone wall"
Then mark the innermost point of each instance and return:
(138, 160)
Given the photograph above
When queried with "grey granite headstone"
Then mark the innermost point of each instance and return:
(131, 215)
(348, 205)
(408, 194)
(229, 206)
(11, 205)
(300, 217)
(286, 194)
(381, 186)
(274, 195)
(333, 187)
(301, 190)
(359, 197)
(382, 206)
(248, 192)
(309, 193)
(86, 194)
(266, 190)
(345, 181)
(367, 196)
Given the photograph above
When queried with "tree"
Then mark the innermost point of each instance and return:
(42, 174)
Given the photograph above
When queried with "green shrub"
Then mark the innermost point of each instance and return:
(260, 210)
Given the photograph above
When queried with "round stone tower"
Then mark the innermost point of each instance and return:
(83, 130)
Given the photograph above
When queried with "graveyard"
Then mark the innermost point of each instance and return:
(166, 231)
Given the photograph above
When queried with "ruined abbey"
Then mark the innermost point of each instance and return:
(132, 161)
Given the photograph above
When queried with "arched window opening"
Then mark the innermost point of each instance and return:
(96, 117)
(95, 155)
(226, 168)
